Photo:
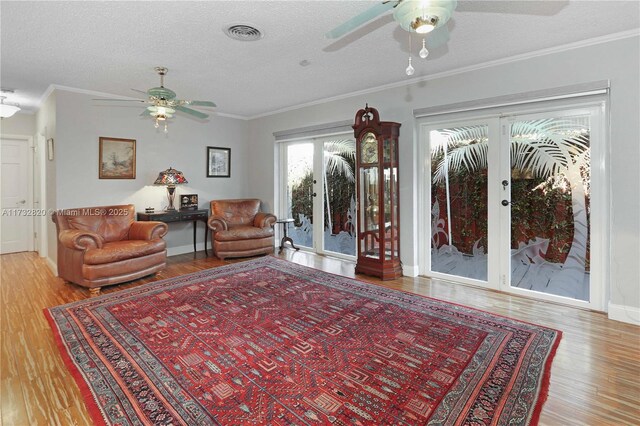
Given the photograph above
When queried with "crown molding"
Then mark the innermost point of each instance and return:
(53, 87)
(236, 116)
(557, 49)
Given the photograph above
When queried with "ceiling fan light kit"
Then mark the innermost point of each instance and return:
(424, 25)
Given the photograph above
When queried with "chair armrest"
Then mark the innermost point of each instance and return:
(217, 223)
(264, 220)
(79, 240)
(151, 230)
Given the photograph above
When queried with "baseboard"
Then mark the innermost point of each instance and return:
(624, 313)
(52, 265)
(174, 251)
(410, 270)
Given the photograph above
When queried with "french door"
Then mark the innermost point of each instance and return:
(318, 192)
(514, 203)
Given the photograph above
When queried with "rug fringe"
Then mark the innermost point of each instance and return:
(85, 391)
(546, 381)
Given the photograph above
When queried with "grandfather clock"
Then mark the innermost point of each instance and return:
(377, 195)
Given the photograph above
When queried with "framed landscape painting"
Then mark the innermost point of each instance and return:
(117, 158)
(218, 162)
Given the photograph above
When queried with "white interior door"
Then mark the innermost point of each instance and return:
(15, 220)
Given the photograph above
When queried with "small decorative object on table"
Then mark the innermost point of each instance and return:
(149, 210)
(189, 202)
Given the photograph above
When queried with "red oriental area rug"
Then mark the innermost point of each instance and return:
(269, 342)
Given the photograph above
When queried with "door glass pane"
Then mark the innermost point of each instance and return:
(300, 192)
(390, 208)
(550, 193)
(339, 196)
(370, 244)
(459, 201)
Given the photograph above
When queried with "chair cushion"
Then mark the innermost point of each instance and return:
(111, 223)
(242, 232)
(123, 250)
(236, 212)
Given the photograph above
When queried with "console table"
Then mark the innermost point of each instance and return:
(181, 216)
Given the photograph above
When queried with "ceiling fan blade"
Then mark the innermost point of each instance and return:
(140, 91)
(192, 112)
(360, 19)
(202, 103)
(437, 37)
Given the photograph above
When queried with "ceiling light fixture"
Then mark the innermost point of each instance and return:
(424, 24)
(161, 113)
(7, 110)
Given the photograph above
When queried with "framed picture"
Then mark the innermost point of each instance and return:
(50, 149)
(218, 162)
(117, 158)
(189, 202)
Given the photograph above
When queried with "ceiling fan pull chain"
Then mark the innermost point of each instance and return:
(410, 70)
(424, 52)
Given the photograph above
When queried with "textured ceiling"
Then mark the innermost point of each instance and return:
(111, 47)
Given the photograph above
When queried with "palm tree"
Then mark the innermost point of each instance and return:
(337, 154)
(548, 148)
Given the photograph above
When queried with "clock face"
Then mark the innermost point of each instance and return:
(369, 149)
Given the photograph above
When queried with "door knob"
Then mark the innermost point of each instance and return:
(21, 202)
(314, 194)
(505, 203)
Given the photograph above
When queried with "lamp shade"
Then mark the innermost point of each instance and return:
(170, 176)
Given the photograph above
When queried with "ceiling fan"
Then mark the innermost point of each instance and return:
(431, 16)
(163, 102)
(419, 16)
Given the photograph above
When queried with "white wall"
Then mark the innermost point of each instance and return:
(81, 121)
(18, 124)
(616, 60)
(46, 126)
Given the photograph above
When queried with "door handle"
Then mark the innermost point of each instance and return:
(21, 202)
(506, 203)
(314, 194)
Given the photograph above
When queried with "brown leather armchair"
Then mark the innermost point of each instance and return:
(239, 229)
(100, 246)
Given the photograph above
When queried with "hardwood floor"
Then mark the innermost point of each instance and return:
(595, 378)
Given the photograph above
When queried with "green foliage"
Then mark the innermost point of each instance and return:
(540, 209)
(340, 188)
(301, 199)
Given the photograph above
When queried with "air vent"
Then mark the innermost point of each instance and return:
(243, 32)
